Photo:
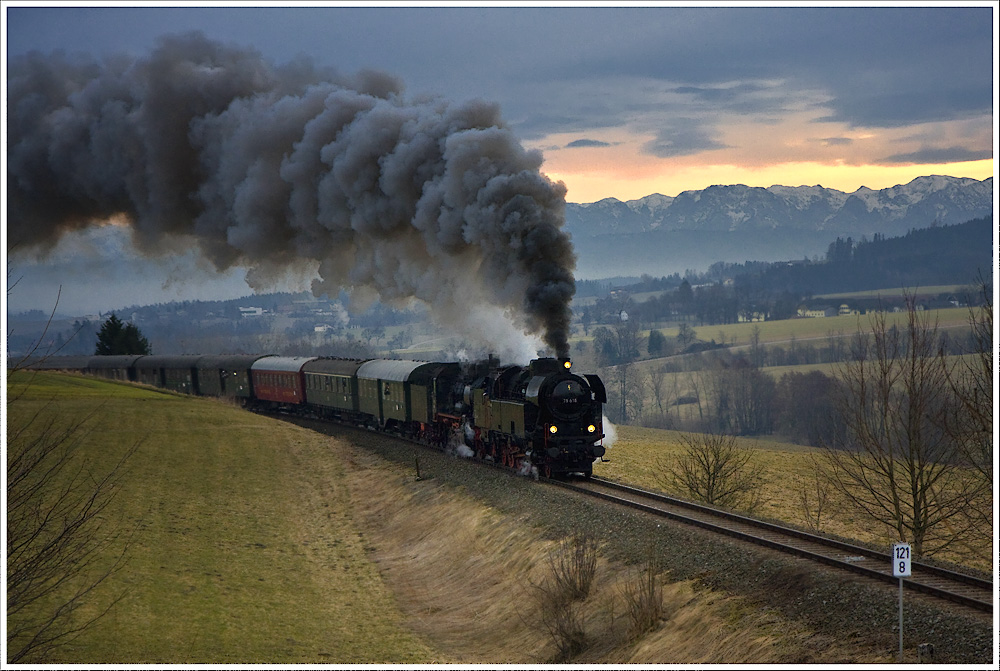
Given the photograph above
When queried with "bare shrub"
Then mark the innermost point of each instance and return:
(643, 595)
(572, 568)
(815, 498)
(565, 626)
(716, 469)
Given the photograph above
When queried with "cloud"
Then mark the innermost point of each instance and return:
(575, 144)
(938, 155)
(646, 71)
(919, 103)
(743, 97)
(682, 137)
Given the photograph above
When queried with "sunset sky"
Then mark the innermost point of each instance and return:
(625, 102)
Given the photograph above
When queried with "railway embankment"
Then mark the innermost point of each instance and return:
(837, 617)
(252, 541)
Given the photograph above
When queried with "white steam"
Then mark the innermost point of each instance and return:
(610, 433)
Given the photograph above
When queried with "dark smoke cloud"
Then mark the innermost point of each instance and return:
(273, 167)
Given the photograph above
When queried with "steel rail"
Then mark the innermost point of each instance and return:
(883, 575)
(915, 583)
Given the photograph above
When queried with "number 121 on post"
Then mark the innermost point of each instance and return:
(901, 560)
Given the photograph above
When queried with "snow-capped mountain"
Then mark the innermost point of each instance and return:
(921, 203)
(661, 235)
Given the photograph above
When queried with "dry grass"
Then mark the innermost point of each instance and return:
(466, 579)
(790, 473)
(305, 549)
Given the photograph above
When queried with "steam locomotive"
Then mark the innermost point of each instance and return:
(540, 416)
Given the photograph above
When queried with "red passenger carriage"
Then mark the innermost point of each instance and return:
(279, 379)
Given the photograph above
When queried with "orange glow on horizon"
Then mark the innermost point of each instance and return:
(592, 185)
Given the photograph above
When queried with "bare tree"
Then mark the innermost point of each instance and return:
(662, 383)
(617, 349)
(895, 462)
(970, 424)
(716, 469)
(62, 540)
(742, 397)
(815, 497)
(756, 349)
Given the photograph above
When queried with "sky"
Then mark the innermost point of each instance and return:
(625, 102)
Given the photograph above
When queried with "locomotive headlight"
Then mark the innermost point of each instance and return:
(591, 428)
(567, 364)
(553, 428)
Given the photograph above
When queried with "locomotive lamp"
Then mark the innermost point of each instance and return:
(591, 428)
(567, 364)
(553, 428)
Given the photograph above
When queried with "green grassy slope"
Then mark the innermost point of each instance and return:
(243, 548)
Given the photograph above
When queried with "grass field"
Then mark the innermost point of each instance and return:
(256, 541)
(896, 292)
(243, 545)
(639, 456)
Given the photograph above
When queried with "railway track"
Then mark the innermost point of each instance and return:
(966, 590)
(957, 588)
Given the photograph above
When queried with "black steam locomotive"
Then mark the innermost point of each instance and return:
(540, 416)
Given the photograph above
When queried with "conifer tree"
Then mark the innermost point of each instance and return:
(116, 337)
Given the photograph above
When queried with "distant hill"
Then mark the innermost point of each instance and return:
(661, 235)
(923, 257)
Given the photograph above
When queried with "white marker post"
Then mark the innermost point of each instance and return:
(901, 569)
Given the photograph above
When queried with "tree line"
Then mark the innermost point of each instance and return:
(729, 292)
(904, 427)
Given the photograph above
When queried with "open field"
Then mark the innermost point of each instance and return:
(802, 329)
(640, 456)
(897, 292)
(257, 541)
(244, 549)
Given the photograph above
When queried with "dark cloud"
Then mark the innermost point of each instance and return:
(740, 98)
(682, 137)
(587, 143)
(912, 105)
(938, 155)
(874, 66)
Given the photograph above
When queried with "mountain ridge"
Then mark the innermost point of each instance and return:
(660, 234)
(946, 200)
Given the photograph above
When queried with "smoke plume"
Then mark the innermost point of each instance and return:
(207, 145)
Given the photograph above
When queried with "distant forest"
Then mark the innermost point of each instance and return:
(951, 254)
(725, 293)
(923, 257)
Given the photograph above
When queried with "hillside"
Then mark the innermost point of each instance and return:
(313, 548)
(924, 257)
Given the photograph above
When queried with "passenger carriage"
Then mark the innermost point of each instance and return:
(279, 379)
(226, 376)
